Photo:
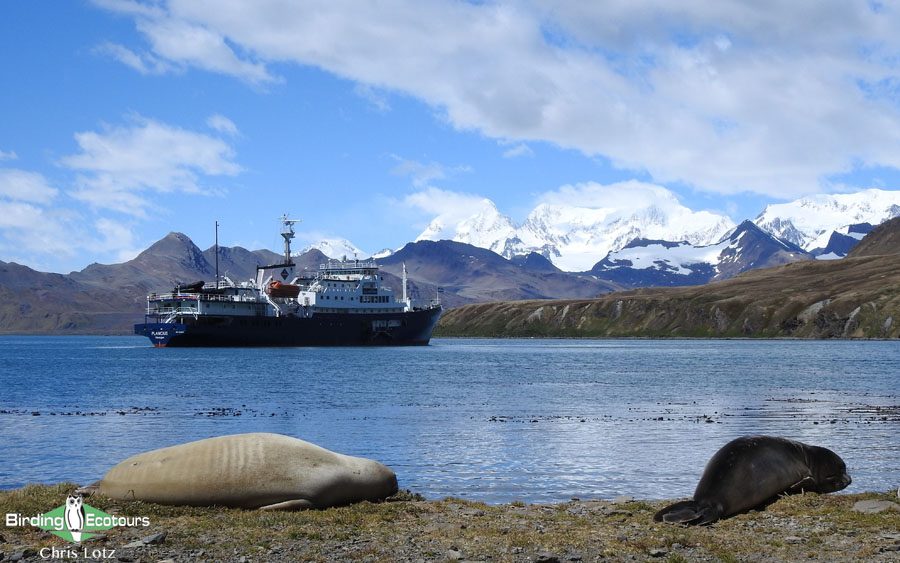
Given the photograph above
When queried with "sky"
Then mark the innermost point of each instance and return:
(121, 121)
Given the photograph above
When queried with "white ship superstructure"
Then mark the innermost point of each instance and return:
(348, 294)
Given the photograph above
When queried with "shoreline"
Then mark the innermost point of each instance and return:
(407, 527)
(520, 337)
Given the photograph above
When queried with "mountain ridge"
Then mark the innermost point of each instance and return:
(854, 297)
(109, 298)
(644, 262)
(576, 237)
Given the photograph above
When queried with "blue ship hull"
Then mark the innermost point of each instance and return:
(326, 329)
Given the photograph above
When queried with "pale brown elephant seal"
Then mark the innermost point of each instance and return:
(265, 471)
(750, 471)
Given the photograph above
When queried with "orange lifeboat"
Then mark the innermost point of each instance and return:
(278, 289)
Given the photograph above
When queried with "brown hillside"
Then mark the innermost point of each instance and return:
(852, 297)
(884, 239)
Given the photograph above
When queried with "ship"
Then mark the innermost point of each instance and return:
(343, 303)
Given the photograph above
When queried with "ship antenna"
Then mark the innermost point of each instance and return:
(217, 255)
(404, 282)
(287, 231)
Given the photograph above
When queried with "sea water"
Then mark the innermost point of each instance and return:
(480, 419)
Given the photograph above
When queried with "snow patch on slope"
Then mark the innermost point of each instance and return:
(676, 258)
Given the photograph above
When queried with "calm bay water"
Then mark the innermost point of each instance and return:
(490, 420)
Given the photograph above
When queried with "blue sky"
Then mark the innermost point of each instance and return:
(122, 121)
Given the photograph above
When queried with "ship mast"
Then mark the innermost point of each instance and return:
(404, 283)
(287, 231)
(217, 255)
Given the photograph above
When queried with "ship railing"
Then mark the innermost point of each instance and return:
(165, 311)
(197, 296)
(334, 264)
(424, 304)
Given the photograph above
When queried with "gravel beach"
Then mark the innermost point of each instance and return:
(810, 527)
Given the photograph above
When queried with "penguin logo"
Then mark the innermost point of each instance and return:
(75, 516)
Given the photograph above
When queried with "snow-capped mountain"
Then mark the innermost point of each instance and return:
(573, 237)
(653, 262)
(645, 262)
(486, 227)
(808, 222)
(383, 253)
(336, 248)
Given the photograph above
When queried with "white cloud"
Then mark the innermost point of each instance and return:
(521, 150)
(222, 124)
(199, 46)
(177, 43)
(114, 237)
(729, 97)
(119, 170)
(621, 195)
(23, 185)
(376, 99)
(46, 235)
(18, 215)
(145, 63)
(131, 7)
(435, 201)
(422, 174)
(30, 231)
(8, 156)
(419, 173)
(119, 165)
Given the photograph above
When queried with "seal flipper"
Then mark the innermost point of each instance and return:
(88, 490)
(297, 504)
(679, 513)
(688, 512)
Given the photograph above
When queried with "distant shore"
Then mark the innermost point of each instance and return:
(455, 336)
(409, 528)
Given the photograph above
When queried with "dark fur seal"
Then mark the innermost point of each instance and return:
(749, 471)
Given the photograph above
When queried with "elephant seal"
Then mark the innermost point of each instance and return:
(259, 470)
(749, 471)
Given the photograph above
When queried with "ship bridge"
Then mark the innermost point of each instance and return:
(348, 269)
